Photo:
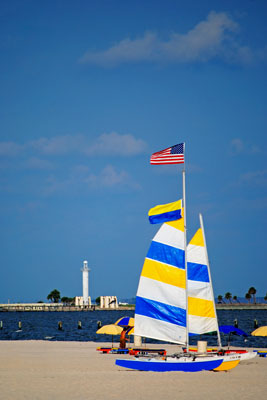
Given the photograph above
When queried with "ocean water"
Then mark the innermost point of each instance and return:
(44, 326)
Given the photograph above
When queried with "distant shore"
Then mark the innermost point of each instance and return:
(41, 307)
(241, 306)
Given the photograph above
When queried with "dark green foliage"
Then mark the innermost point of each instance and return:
(54, 296)
(252, 291)
(228, 296)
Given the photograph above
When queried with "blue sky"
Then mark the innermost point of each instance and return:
(89, 90)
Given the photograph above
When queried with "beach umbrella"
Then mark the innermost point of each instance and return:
(231, 330)
(262, 331)
(110, 330)
(125, 321)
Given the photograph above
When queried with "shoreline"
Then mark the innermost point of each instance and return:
(36, 307)
(241, 306)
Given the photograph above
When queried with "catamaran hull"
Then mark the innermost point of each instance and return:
(226, 365)
(247, 356)
(167, 365)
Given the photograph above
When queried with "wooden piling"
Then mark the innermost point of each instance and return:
(60, 325)
(79, 324)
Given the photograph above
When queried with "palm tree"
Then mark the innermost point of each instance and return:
(220, 299)
(235, 298)
(54, 296)
(228, 296)
(252, 291)
(248, 297)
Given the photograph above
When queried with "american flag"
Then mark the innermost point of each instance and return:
(171, 155)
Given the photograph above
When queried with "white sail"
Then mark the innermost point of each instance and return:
(201, 307)
(160, 311)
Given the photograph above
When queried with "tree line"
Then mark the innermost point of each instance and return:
(251, 294)
(55, 297)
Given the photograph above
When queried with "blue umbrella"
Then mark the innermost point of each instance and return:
(231, 330)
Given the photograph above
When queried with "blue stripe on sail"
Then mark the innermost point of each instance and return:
(197, 272)
(164, 312)
(165, 217)
(166, 254)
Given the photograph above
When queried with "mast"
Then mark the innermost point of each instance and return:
(208, 265)
(185, 259)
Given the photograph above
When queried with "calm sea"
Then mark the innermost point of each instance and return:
(44, 326)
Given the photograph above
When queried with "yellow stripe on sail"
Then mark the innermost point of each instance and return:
(178, 224)
(201, 307)
(197, 239)
(164, 273)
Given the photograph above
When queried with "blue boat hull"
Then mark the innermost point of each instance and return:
(165, 366)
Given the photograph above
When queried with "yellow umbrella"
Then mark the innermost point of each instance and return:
(262, 331)
(110, 330)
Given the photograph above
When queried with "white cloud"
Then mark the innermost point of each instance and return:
(115, 144)
(109, 176)
(38, 163)
(236, 146)
(255, 178)
(58, 144)
(81, 176)
(10, 149)
(213, 38)
(112, 144)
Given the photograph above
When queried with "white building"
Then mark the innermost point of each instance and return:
(79, 301)
(108, 302)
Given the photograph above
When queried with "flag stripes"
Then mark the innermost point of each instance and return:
(171, 155)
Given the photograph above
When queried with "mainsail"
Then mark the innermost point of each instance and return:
(160, 311)
(201, 308)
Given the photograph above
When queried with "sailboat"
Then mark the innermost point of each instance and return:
(163, 306)
(175, 296)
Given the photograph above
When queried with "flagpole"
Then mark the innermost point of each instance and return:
(185, 259)
(208, 265)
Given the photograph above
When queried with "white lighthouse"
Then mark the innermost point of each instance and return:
(85, 272)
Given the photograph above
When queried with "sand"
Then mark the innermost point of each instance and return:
(42, 370)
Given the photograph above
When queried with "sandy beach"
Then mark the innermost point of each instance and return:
(41, 370)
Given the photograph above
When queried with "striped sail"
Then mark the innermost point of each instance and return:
(160, 311)
(201, 308)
